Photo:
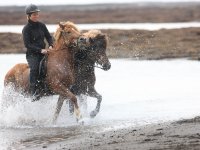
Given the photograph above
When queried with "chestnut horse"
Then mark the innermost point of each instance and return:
(93, 54)
(60, 68)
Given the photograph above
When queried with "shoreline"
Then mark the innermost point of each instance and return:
(182, 134)
(170, 135)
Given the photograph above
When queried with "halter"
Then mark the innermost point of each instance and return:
(93, 65)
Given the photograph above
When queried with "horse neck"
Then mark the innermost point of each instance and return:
(85, 65)
(59, 44)
(68, 53)
(63, 53)
(89, 62)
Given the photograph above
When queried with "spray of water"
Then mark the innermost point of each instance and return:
(18, 111)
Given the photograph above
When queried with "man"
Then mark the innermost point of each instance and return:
(34, 34)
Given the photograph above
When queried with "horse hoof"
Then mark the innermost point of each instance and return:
(93, 114)
(84, 121)
(81, 122)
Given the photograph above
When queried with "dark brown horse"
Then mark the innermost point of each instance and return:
(85, 61)
(60, 68)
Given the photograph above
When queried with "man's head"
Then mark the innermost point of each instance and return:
(31, 9)
(32, 12)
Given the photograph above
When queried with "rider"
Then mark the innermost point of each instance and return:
(34, 33)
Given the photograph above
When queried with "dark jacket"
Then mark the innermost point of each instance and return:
(34, 34)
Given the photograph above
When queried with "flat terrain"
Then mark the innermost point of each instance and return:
(136, 44)
(107, 13)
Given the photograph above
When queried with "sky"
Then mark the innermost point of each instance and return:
(52, 2)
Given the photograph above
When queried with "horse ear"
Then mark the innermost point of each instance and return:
(61, 25)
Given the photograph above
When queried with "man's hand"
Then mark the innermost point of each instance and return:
(44, 51)
(50, 47)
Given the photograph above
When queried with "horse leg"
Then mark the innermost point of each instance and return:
(83, 103)
(67, 94)
(93, 93)
(71, 108)
(58, 108)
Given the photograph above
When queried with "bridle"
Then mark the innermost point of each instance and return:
(63, 34)
(91, 62)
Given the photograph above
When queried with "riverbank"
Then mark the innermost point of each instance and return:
(135, 44)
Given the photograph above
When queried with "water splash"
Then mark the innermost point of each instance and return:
(18, 111)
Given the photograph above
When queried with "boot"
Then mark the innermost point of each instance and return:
(35, 93)
(36, 96)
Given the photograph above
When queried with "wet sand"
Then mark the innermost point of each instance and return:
(184, 135)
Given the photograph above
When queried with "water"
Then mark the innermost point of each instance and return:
(123, 26)
(146, 91)
(134, 93)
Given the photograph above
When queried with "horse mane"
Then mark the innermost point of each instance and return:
(97, 34)
(67, 24)
(92, 33)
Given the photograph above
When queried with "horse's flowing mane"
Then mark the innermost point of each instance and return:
(67, 24)
(92, 33)
(97, 34)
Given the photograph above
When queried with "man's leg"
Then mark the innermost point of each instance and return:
(33, 62)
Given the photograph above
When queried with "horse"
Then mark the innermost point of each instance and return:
(60, 74)
(91, 55)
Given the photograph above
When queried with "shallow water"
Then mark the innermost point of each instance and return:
(134, 93)
(122, 26)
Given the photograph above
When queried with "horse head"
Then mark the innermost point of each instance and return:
(94, 44)
(66, 35)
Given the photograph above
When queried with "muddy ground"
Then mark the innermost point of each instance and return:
(181, 135)
(107, 13)
(136, 44)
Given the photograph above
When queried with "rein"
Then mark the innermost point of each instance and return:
(66, 41)
(94, 65)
